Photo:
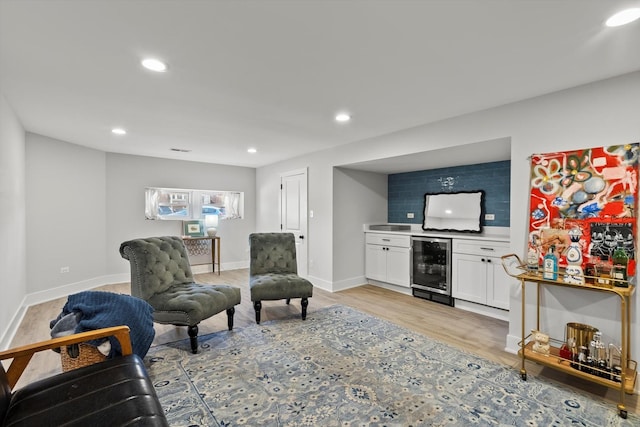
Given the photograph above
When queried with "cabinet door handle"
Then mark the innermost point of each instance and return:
(487, 249)
(482, 259)
(386, 240)
(488, 260)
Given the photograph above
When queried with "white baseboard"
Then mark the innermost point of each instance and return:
(512, 344)
(72, 288)
(321, 283)
(485, 310)
(353, 282)
(206, 268)
(52, 294)
(12, 327)
(235, 265)
(85, 285)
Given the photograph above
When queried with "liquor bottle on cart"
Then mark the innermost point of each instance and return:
(550, 264)
(620, 261)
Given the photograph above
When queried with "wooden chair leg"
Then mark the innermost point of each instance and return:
(230, 313)
(193, 337)
(257, 305)
(305, 303)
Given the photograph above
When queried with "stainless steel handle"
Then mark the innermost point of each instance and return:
(487, 249)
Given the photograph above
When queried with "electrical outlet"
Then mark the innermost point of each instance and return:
(409, 215)
(64, 269)
(489, 217)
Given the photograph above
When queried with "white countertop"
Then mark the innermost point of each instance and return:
(497, 234)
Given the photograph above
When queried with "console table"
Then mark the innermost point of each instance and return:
(199, 246)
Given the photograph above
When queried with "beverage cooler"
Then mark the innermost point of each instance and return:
(431, 269)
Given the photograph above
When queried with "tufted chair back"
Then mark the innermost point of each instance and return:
(157, 264)
(272, 253)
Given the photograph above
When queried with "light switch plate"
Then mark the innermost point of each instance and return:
(409, 214)
(489, 217)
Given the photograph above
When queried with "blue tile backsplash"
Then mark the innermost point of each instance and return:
(406, 190)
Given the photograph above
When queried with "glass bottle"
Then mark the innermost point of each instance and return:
(550, 265)
(615, 356)
(598, 352)
(604, 271)
(619, 270)
(532, 260)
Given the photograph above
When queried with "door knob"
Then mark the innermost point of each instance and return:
(301, 236)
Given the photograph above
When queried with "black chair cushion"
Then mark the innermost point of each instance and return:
(116, 392)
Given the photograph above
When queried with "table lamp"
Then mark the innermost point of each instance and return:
(211, 222)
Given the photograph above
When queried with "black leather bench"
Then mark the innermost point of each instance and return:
(115, 392)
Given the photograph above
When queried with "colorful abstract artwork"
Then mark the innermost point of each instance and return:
(592, 193)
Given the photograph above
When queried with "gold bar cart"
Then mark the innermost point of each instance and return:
(515, 268)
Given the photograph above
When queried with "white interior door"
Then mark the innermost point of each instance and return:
(293, 213)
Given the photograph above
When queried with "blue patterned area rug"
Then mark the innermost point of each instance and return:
(342, 367)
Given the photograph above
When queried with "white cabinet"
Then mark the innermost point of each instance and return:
(388, 258)
(477, 274)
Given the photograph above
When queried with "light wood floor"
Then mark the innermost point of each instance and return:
(471, 332)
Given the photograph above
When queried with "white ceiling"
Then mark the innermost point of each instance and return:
(272, 74)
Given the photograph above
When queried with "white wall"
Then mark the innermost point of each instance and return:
(349, 213)
(320, 195)
(82, 203)
(12, 221)
(127, 178)
(597, 114)
(65, 213)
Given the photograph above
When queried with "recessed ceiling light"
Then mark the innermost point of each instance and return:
(343, 117)
(252, 150)
(154, 65)
(118, 131)
(623, 17)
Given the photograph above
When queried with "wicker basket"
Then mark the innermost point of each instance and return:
(88, 355)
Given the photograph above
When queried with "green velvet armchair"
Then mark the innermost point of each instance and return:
(273, 271)
(161, 275)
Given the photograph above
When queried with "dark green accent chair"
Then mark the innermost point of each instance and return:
(273, 271)
(161, 275)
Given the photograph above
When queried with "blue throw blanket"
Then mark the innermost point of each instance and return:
(96, 309)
